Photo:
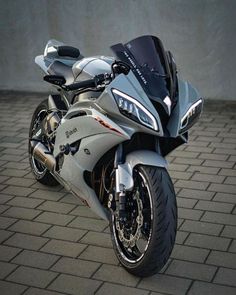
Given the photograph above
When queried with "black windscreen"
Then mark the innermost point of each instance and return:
(146, 57)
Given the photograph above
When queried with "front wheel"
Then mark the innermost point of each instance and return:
(143, 243)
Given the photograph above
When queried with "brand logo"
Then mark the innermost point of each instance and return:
(70, 132)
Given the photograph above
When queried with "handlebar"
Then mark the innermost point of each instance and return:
(97, 80)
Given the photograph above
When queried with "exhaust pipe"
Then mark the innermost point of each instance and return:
(42, 155)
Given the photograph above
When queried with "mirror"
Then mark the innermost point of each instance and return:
(56, 80)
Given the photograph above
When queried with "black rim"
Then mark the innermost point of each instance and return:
(138, 205)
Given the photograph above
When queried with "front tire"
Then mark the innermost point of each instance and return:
(158, 220)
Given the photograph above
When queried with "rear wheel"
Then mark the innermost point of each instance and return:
(144, 242)
(40, 172)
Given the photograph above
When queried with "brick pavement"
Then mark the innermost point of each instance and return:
(51, 244)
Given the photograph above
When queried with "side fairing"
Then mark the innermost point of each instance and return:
(96, 135)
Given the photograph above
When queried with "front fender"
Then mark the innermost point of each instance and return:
(124, 172)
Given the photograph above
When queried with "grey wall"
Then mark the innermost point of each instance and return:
(200, 33)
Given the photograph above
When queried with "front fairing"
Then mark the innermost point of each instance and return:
(129, 85)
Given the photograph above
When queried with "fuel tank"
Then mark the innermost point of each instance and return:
(88, 67)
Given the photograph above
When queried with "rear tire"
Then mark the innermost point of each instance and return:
(163, 224)
(40, 172)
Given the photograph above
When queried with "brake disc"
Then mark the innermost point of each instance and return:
(133, 238)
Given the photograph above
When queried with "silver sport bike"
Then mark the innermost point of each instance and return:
(104, 136)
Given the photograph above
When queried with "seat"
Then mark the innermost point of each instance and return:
(61, 69)
(68, 51)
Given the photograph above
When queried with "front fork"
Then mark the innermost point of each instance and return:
(123, 182)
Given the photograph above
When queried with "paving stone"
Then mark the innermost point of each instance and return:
(19, 181)
(19, 166)
(221, 218)
(24, 202)
(14, 151)
(166, 284)
(5, 222)
(189, 213)
(7, 288)
(54, 218)
(32, 276)
(196, 194)
(222, 197)
(26, 241)
(222, 145)
(12, 158)
(192, 184)
(29, 227)
(43, 187)
(113, 289)
(75, 285)
(4, 235)
(6, 269)
(201, 227)
(56, 207)
(230, 180)
(71, 199)
(24, 213)
(208, 178)
(98, 239)
(203, 170)
(186, 203)
(3, 208)
(219, 258)
(191, 270)
(227, 172)
(181, 237)
(84, 211)
(180, 175)
(199, 149)
(226, 277)
(214, 206)
(3, 178)
(88, 223)
(225, 151)
(222, 164)
(229, 232)
(209, 242)
(188, 161)
(233, 247)
(177, 167)
(18, 191)
(5, 198)
(7, 253)
(65, 233)
(13, 172)
(187, 253)
(224, 188)
(35, 259)
(99, 254)
(76, 267)
(36, 291)
(63, 248)
(185, 154)
(214, 156)
(116, 274)
(47, 195)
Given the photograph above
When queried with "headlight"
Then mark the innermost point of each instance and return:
(191, 116)
(134, 110)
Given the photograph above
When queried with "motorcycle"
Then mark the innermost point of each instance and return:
(105, 134)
